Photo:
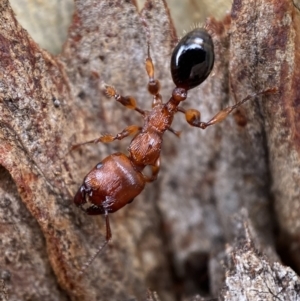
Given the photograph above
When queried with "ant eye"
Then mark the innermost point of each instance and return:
(192, 59)
(99, 165)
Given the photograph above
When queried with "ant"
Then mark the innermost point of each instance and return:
(118, 179)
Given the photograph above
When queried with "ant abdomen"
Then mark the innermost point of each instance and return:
(192, 59)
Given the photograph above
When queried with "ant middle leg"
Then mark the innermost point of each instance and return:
(193, 116)
(127, 101)
(107, 138)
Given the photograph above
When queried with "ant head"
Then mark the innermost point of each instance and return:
(192, 59)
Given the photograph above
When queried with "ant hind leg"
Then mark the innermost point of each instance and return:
(153, 84)
(193, 116)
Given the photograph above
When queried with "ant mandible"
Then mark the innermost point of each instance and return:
(118, 179)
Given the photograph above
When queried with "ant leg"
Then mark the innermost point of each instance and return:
(101, 247)
(127, 101)
(176, 133)
(155, 170)
(193, 116)
(153, 84)
(107, 138)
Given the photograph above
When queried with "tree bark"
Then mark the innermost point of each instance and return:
(224, 212)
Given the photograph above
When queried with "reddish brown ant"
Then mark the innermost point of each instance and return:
(118, 179)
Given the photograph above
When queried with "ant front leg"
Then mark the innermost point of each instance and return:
(107, 138)
(193, 116)
(155, 170)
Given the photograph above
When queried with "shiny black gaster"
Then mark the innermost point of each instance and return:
(192, 59)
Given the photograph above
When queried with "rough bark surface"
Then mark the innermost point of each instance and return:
(251, 275)
(172, 238)
(270, 46)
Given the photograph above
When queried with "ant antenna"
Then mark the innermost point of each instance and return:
(89, 262)
(100, 248)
